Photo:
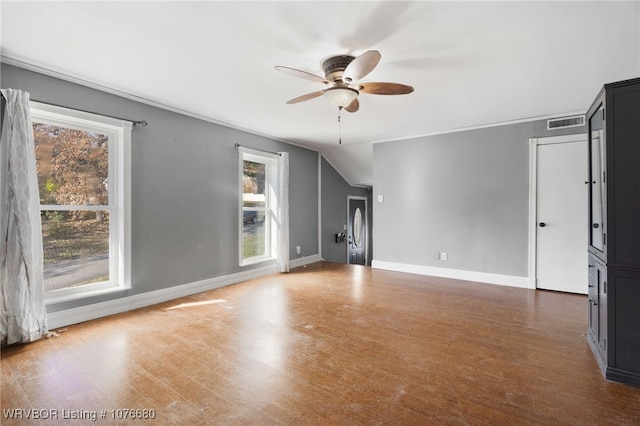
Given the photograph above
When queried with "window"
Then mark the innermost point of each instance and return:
(83, 179)
(258, 198)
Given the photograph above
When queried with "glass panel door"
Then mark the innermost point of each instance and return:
(596, 214)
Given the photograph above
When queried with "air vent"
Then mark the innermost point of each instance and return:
(565, 122)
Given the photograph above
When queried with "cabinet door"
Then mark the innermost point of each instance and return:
(597, 182)
(602, 306)
(594, 321)
(598, 304)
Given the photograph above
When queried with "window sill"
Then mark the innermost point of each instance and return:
(68, 296)
(255, 261)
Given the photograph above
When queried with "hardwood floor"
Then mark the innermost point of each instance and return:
(327, 344)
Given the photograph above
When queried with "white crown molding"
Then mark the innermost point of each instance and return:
(19, 63)
(483, 126)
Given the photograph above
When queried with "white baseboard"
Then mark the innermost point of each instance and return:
(307, 260)
(458, 274)
(123, 304)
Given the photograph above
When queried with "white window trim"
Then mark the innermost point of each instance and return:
(271, 177)
(119, 133)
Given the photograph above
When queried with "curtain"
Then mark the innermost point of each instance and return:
(282, 256)
(22, 314)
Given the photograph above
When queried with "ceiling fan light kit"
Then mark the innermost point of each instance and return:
(340, 96)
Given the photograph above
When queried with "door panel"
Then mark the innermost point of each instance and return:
(598, 303)
(357, 231)
(562, 199)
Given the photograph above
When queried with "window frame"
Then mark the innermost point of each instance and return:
(271, 174)
(119, 204)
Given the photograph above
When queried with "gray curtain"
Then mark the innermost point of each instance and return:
(23, 314)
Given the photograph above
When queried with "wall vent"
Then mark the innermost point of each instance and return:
(565, 122)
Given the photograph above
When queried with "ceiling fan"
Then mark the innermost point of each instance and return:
(341, 75)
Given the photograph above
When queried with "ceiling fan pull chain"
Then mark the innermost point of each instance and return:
(339, 126)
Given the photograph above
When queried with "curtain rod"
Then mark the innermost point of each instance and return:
(141, 123)
(237, 145)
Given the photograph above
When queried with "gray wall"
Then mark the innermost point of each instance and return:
(184, 187)
(335, 191)
(462, 193)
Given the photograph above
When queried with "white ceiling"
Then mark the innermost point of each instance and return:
(471, 63)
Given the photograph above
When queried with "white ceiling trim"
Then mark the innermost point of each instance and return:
(487, 126)
(91, 85)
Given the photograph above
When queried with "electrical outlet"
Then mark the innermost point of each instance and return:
(298, 250)
(443, 255)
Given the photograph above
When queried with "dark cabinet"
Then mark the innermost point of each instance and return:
(598, 305)
(614, 230)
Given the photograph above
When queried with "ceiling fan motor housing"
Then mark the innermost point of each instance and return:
(334, 67)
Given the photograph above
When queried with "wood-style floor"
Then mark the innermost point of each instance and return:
(328, 344)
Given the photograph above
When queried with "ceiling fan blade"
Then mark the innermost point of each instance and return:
(361, 66)
(385, 88)
(302, 74)
(306, 97)
(353, 106)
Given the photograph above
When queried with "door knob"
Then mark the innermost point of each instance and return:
(542, 224)
(596, 225)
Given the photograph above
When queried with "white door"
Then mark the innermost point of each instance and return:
(562, 216)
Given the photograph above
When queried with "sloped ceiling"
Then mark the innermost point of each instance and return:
(471, 63)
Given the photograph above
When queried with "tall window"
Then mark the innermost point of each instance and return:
(257, 183)
(82, 163)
